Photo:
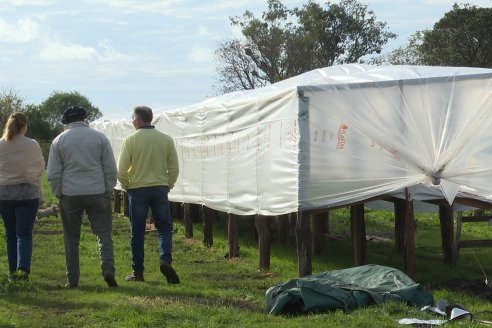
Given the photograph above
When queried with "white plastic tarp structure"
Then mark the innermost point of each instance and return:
(331, 137)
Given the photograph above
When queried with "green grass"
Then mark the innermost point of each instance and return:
(216, 292)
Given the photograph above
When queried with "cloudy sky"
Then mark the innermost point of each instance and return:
(122, 53)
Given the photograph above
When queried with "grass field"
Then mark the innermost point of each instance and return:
(216, 292)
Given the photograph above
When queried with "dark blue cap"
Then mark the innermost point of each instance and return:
(73, 114)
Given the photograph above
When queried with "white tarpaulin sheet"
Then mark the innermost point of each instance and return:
(333, 136)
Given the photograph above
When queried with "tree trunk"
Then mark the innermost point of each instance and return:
(263, 228)
(358, 228)
(232, 232)
(304, 244)
(447, 233)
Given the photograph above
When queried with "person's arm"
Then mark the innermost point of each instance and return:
(124, 165)
(38, 165)
(38, 161)
(55, 170)
(172, 165)
(108, 167)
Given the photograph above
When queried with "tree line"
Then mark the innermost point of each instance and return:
(44, 122)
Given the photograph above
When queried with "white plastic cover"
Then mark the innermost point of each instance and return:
(331, 137)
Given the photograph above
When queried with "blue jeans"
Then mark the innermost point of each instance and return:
(18, 217)
(140, 200)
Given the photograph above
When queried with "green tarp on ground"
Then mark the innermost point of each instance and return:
(345, 289)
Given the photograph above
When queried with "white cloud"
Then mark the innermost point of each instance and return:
(132, 6)
(63, 51)
(29, 2)
(108, 53)
(181, 8)
(24, 30)
(200, 54)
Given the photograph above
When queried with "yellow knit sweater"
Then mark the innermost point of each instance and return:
(148, 158)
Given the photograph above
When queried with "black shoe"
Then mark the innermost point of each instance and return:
(109, 279)
(168, 271)
(135, 276)
(70, 285)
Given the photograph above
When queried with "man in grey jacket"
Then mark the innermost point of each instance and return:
(82, 174)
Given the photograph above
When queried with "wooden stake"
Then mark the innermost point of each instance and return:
(409, 258)
(283, 229)
(304, 244)
(358, 233)
(262, 224)
(187, 220)
(320, 223)
(232, 232)
(399, 206)
(117, 201)
(447, 234)
(208, 236)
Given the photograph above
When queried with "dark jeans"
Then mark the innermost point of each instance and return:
(141, 199)
(98, 209)
(18, 217)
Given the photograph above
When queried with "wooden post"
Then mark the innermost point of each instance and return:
(253, 227)
(447, 233)
(117, 201)
(409, 258)
(304, 244)
(126, 204)
(172, 210)
(319, 229)
(399, 206)
(232, 232)
(358, 229)
(187, 220)
(262, 224)
(458, 237)
(195, 213)
(208, 236)
(283, 229)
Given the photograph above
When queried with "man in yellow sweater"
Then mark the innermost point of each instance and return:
(147, 169)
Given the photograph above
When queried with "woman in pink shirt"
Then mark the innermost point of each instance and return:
(21, 168)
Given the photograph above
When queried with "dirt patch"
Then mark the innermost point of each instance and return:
(190, 241)
(470, 287)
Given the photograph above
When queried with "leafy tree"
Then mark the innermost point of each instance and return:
(10, 102)
(237, 71)
(260, 59)
(463, 37)
(51, 110)
(38, 126)
(286, 42)
(406, 55)
(341, 33)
